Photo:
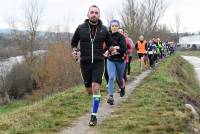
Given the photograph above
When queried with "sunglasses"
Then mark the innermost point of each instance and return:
(92, 12)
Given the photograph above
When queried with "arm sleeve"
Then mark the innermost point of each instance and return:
(75, 39)
(146, 46)
(108, 40)
(122, 44)
(132, 43)
(136, 46)
(130, 47)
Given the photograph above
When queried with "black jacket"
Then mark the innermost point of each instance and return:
(91, 53)
(118, 40)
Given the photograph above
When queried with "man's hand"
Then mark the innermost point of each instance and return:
(76, 53)
(106, 54)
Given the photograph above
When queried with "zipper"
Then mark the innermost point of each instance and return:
(92, 42)
(92, 51)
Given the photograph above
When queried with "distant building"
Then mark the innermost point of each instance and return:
(189, 42)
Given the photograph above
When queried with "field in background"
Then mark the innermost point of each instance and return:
(190, 53)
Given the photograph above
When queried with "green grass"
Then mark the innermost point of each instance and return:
(12, 106)
(157, 105)
(135, 69)
(47, 114)
(190, 53)
(50, 114)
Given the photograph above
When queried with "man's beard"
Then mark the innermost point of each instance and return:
(93, 19)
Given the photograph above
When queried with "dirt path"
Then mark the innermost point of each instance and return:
(195, 61)
(105, 111)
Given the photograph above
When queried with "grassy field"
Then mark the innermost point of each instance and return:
(50, 114)
(47, 114)
(158, 105)
(190, 53)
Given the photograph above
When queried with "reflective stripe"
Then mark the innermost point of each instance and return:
(94, 114)
(81, 75)
(96, 96)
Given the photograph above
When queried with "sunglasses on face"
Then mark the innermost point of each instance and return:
(92, 12)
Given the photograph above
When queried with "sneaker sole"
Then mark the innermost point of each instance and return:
(92, 124)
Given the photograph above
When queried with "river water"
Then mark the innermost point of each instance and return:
(7, 64)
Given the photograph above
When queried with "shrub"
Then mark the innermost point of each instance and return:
(19, 81)
(57, 69)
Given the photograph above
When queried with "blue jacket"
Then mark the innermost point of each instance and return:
(152, 48)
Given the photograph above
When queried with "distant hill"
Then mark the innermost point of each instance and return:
(5, 30)
(9, 48)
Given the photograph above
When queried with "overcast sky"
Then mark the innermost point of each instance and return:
(59, 12)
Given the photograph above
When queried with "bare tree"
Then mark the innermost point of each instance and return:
(154, 10)
(177, 25)
(164, 33)
(142, 17)
(27, 40)
(32, 13)
(132, 17)
(4, 97)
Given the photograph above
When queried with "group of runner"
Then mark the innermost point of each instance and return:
(151, 52)
(97, 47)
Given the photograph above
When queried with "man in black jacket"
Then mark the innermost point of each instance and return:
(91, 34)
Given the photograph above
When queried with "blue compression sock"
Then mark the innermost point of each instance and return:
(96, 101)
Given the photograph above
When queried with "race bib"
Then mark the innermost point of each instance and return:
(150, 52)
